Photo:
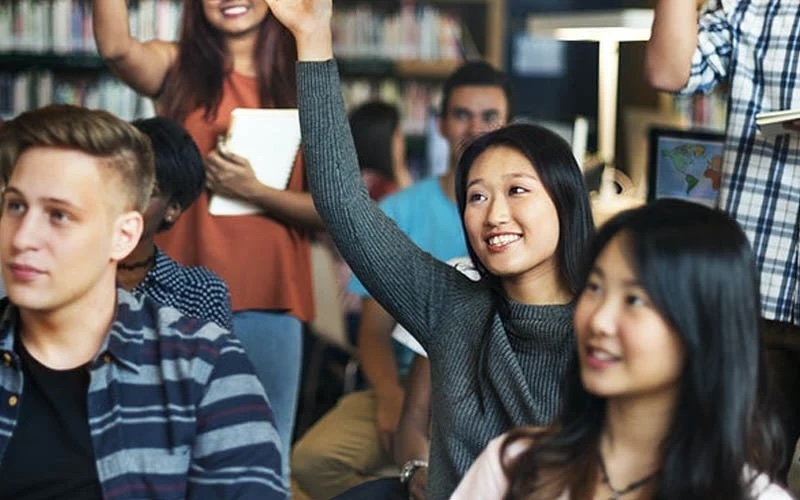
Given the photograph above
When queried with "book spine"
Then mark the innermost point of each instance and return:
(413, 31)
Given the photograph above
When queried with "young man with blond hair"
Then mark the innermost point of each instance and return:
(104, 393)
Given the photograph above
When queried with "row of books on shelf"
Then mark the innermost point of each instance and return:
(416, 101)
(707, 111)
(65, 26)
(27, 90)
(413, 32)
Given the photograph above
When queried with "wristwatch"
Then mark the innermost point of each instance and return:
(409, 468)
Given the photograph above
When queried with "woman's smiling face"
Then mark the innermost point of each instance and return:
(235, 17)
(512, 223)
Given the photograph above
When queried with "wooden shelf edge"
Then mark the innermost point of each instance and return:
(402, 68)
(410, 68)
(17, 60)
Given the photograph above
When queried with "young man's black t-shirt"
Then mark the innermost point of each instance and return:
(50, 453)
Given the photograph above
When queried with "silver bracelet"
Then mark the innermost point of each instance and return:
(409, 468)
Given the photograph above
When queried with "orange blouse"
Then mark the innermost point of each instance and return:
(266, 264)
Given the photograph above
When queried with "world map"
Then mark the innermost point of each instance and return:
(689, 170)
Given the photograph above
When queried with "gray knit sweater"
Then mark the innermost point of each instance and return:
(488, 374)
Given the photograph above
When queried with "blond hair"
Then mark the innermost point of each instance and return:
(121, 147)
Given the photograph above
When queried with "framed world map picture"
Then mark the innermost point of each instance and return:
(685, 164)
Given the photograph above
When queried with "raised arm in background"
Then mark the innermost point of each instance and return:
(412, 439)
(142, 66)
(672, 43)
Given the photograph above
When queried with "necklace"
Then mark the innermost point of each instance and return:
(617, 494)
(136, 265)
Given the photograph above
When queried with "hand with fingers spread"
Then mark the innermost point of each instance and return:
(310, 23)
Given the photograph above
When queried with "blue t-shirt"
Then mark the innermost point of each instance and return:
(432, 222)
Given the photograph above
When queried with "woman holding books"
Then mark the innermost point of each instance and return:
(665, 395)
(232, 54)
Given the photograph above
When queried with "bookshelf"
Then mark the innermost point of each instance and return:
(48, 54)
(76, 61)
(381, 67)
(401, 50)
(398, 50)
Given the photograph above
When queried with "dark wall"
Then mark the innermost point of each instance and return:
(575, 93)
(556, 98)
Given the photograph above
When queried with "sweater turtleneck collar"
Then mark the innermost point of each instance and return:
(539, 322)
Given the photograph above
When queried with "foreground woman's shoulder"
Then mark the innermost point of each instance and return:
(764, 489)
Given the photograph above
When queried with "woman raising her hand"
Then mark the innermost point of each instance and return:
(498, 347)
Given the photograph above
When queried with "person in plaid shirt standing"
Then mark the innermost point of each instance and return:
(754, 46)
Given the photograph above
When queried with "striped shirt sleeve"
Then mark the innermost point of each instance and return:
(236, 453)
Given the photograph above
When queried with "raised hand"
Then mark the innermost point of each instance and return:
(310, 23)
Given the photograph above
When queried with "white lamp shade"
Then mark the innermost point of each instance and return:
(622, 25)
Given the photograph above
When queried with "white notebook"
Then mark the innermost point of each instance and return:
(775, 123)
(269, 140)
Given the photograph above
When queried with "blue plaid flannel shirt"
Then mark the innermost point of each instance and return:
(755, 47)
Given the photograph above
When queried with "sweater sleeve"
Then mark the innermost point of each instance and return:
(410, 284)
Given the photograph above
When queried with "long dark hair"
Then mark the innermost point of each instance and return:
(373, 125)
(197, 77)
(698, 269)
(553, 161)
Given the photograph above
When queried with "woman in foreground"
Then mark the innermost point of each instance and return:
(665, 396)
